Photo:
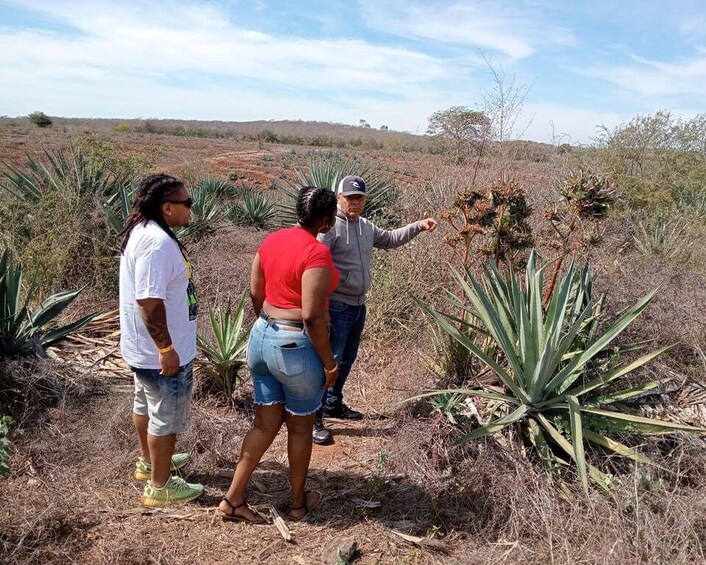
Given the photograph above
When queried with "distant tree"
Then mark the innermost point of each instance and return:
(364, 124)
(384, 128)
(40, 119)
(466, 129)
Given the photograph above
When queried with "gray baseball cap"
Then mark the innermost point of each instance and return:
(351, 185)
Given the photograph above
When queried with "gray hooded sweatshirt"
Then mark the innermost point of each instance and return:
(351, 243)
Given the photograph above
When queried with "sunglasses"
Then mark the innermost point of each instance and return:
(189, 202)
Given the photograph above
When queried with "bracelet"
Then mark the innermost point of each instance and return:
(331, 371)
(167, 349)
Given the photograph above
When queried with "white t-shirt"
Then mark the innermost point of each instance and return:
(153, 266)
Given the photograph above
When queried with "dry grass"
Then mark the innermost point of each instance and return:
(70, 498)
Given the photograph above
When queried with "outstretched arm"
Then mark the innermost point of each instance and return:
(389, 239)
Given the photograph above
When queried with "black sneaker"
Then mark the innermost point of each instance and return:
(320, 435)
(342, 412)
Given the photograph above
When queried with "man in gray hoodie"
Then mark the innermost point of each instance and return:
(351, 242)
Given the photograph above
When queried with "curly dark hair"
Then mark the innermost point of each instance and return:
(152, 192)
(315, 204)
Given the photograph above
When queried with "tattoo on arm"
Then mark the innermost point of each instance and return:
(156, 324)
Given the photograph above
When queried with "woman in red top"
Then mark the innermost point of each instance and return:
(289, 354)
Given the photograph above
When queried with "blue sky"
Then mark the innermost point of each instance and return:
(386, 61)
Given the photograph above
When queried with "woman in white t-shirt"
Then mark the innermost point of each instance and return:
(158, 333)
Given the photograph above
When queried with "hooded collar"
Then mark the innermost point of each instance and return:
(340, 214)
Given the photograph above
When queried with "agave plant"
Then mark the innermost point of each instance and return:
(118, 207)
(590, 195)
(448, 404)
(546, 353)
(226, 354)
(669, 239)
(326, 170)
(23, 330)
(219, 187)
(66, 170)
(256, 210)
(207, 212)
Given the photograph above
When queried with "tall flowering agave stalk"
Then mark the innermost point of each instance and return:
(586, 201)
(489, 223)
(557, 391)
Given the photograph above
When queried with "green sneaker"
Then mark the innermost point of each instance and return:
(143, 470)
(175, 490)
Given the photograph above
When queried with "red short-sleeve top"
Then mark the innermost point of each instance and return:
(284, 256)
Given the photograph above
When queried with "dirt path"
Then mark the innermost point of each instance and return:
(76, 501)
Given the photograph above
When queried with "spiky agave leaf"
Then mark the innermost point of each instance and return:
(23, 330)
(546, 352)
(226, 354)
(325, 170)
(207, 213)
(256, 210)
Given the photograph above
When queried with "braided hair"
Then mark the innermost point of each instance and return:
(315, 204)
(152, 192)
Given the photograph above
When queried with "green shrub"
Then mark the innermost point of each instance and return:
(40, 119)
(225, 355)
(325, 170)
(54, 217)
(256, 210)
(655, 159)
(122, 128)
(553, 385)
(23, 330)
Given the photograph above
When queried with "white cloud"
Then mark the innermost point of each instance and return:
(499, 25)
(197, 39)
(128, 61)
(656, 79)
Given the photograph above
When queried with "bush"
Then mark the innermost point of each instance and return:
(556, 371)
(655, 159)
(325, 170)
(74, 187)
(225, 355)
(40, 119)
(256, 210)
(24, 331)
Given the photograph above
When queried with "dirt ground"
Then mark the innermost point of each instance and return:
(71, 497)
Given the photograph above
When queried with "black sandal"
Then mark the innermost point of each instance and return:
(233, 518)
(305, 507)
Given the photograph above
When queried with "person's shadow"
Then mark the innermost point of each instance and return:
(392, 501)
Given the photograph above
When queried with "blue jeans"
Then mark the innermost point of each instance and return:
(285, 368)
(347, 323)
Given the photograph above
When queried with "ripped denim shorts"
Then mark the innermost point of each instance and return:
(285, 368)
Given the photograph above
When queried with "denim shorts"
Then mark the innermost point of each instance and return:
(285, 368)
(166, 400)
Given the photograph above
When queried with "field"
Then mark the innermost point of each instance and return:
(397, 484)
